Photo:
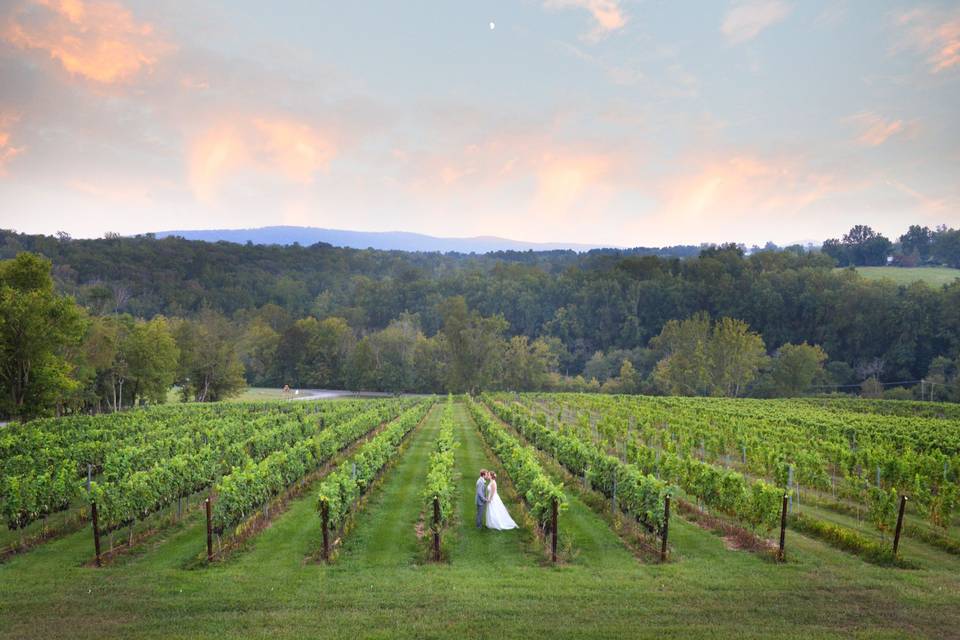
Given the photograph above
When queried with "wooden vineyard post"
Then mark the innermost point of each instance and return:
(613, 498)
(783, 529)
(325, 516)
(206, 504)
(553, 531)
(436, 529)
(666, 529)
(896, 535)
(96, 532)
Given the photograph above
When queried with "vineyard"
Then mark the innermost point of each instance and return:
(323, 517)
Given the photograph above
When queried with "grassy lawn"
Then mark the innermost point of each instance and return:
(250, 394)
(494, 586)
(933, 276)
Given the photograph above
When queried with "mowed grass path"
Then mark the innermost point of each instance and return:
(495, 585)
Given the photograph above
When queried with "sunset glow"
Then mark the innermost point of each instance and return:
(600, 121)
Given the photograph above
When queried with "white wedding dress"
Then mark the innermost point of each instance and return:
(497, 516)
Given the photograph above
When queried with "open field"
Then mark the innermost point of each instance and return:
(492, 584)
(934, 276)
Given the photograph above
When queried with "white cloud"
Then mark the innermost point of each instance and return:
(746, 19)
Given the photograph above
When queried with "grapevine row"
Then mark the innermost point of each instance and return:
(342, 488)
(252, 483)
(521, 463)
(439, 482)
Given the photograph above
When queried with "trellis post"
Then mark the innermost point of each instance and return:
(96, 532)
(206, 506)
(783, 529)
(896, 535)
(553, 529)
(666, 529)
(436, 529)
(325, 517)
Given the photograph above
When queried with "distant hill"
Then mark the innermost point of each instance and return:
(384, 240)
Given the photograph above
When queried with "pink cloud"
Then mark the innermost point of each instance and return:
(607, 14)
(565, 177)
(875, 129)
(932, 205)
(934, 34)
(7, 151)
(121, 191)
(98, 40)
(746, 19)
(729, 187)
(281, 147)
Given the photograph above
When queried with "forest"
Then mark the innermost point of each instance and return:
(211, 318)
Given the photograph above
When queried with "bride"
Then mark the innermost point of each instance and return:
(497, 516)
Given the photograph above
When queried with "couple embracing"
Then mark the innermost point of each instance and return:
(490, 508)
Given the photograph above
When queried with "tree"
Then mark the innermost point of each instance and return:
(328, 346)
(526, 365)
(699, 358)
(36, 327)
(259, 348)
(684, 350)
(152, 357)
(795, 367)
(864, 246)
(945, 247)
(362, 367)
(916, 241)
(737, 355)
(428, 364)
(629, 379)
(836, 250)
(210, 368)
(474, 346)
(394, 349)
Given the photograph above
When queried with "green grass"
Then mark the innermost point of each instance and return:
(494, 586)
(250, 394)
(933, 276)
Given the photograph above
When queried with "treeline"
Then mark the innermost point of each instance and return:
(862, 246)
(211, 317)
(56, 358)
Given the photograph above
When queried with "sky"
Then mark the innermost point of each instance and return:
(627, 123)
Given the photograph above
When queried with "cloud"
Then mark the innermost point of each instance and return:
(740, 185)
(932, 205)
(280, 147)
(7, 151)
(98, 40)
(126, 192)
(606, 13)
(875, 129)
(747, 18)
(565, 177)
(934, 34)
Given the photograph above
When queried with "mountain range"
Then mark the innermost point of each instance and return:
(385, 240)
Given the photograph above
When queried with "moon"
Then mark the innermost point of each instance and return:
(492, 26)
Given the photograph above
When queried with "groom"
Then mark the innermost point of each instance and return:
(481, 496)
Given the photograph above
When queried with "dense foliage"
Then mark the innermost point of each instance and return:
(741, 456)
(323, 316)
(141, 461)
(257, 479)
(37, 328)
(440, 481)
